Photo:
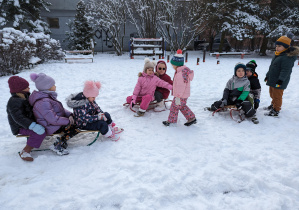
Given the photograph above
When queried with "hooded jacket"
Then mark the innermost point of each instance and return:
(255, 86)
(165, 92)
(147, 84)
(281, 67)
(181, 82)
(48, 111)
(84, 111)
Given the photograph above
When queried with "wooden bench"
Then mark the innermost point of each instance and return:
(147, 46)
(80, 54)
(217, 54)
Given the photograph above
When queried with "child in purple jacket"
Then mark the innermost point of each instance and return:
(49, 112)
(88, 115)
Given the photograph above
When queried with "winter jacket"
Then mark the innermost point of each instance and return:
(181, 82)
(165, 92)
(84, 111)
(19, 112)
(146, 85)
(48, 111)
(281, 68)
(236, 89)
(255, 86)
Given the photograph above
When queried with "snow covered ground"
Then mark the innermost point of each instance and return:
(215, 164)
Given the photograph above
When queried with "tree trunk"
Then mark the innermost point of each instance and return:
(221, 42)
(264, 46)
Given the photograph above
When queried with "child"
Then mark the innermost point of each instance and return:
(162, 93)
(21, 118)
(146, 86)
(49, 112)
(181, 91)
(88, 115)
(236, 92)
(255, 86)
(279, 73)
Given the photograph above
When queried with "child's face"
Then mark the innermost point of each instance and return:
(280, 48)
(53, 88)
(150, 71)
(27, 90)
(240, 72)
(248, 73)
(91, 99)
(161, 68)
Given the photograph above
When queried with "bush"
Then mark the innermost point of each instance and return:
(16, 49)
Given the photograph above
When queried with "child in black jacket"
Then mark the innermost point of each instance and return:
(255, 86)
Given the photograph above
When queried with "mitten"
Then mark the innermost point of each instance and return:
(278, 83)
(36, 128)
(177, 101)
(169, 87)
(101, 116)
(223, 103)
(134, 98)
(256, 103)
(266, 79)
(239, 104)
(72, 121)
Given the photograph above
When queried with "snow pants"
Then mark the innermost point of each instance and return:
(145, 101)
(174, 111)
(34, 140)
(99, 125)
(276, 95)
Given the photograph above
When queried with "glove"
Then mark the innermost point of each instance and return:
(266, 79)
(278, 83)
(169, 87)
(223, 103)
(177, 101)
(37, 128)
(239, 104)
(72, 121)
(256, 103)
(101, 116)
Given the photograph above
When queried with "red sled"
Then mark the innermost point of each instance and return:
(152, 105)
(232, 112)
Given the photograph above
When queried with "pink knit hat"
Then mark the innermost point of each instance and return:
(91, 89)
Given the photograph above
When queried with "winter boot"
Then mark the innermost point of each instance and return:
(116, 129)
(268, 107)
(58, 149)
(254, 119)
(160, 107)
(272, 113)
(190, 122)
(25, 156)
(139, 114)
(111, 135)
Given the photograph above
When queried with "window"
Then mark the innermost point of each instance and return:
(53, 22)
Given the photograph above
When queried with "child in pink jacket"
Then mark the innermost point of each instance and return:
(181, 91)
(145, 88)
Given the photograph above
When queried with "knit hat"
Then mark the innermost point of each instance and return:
(42, 81)
(178, 58)
(17, 84)
(148, 64)
(284, 41)
(163, 62)
(251, 65)
(91, 89)
(240, 65)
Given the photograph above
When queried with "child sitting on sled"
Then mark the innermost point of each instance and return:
(181, 91)
(162, 93)
(146, 86)
(88, 115)
(236, 92)
(21, 118)
(50, 113)
(255, 86)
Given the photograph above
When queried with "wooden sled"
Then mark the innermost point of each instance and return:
(152, 105)
(232, 110)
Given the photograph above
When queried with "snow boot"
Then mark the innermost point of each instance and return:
(160, 107)
(25, 156)
(268, 107)
(58, 148)
(272, 113)
(166, 123)
(139, 114)
(254, 119)
(111, 135)
(191, 122)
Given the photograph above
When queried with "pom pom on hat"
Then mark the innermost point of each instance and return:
(42, 81)
(178, 58)
(91, 89)
(17, 84)
(284, 41)
(148, 64)
(251, 65)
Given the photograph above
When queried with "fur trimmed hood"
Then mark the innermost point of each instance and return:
(76, 100)
(144, 74)
(293, 51)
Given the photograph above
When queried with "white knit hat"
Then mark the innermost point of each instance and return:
(148, 64)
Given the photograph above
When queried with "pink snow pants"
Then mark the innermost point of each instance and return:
(174, 111)
(34, 139)
(145, 101)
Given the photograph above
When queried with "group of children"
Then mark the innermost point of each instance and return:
(41, 114)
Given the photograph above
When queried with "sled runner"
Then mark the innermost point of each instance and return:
(152, 105)
(232, 112)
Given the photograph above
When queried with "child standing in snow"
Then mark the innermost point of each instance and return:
(255, 86)
(88, 115)
(236, 92)
(279, 73)
(21, 118)
(181, 91)
(146, 86)
(162, 93)
(49, 112)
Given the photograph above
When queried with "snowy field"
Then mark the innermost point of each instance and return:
(216, 164)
